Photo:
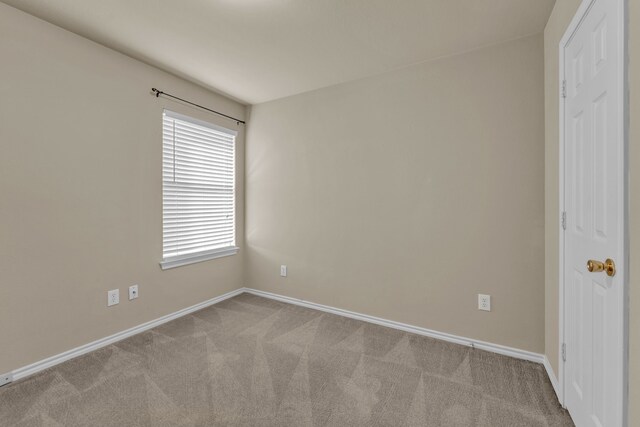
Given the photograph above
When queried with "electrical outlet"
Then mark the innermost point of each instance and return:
(6, 379)
(113, 297)
(484, 302)
(133, 292)
(283, 270)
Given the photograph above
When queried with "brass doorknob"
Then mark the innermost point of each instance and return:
(608, 266)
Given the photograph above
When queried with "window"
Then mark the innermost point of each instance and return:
(198, 191)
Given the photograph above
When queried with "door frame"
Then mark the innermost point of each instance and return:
(623, 180)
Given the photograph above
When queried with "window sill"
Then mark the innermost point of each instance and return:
(192, 259)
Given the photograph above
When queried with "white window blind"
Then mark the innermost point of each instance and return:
(198, 190)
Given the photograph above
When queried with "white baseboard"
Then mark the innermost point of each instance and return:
(95, 345)
(495, 348)
(84, 349)
(553, 379)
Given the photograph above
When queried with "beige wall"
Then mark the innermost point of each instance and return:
(634, 222)
(405, 195)
(80, 179)
(559, 20)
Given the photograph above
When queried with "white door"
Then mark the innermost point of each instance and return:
(594, 198)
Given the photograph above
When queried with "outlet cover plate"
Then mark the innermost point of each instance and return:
(484, 302)
(283, 270)
(113, 297)
(133, 292)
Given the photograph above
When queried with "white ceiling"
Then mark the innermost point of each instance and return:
(259, 50)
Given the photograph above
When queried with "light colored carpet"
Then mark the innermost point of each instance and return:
(250, 361)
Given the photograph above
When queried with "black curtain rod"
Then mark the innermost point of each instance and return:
(158, 92)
